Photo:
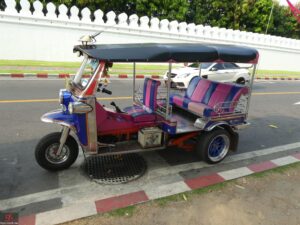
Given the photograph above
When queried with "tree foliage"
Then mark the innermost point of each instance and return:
(246, 15)
(163, 9)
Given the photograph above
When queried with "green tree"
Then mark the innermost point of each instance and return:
(250, 15)
(284, 23)
(163, 9)
(256, 16)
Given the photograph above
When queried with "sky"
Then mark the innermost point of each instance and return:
(283, 2)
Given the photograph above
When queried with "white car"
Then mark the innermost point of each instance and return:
(222, 72)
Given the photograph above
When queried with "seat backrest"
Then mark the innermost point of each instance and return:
(234, 95)
(150, 93)
(211, 92)
(220, 94)
(203, 90)
(192, 86)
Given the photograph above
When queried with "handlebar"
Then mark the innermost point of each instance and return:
(103, 89)
(106, 91)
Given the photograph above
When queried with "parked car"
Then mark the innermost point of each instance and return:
(222, 72)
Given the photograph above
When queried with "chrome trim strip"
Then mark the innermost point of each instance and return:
(211, 127)
(92, 126)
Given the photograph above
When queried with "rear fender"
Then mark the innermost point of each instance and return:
(234, 135)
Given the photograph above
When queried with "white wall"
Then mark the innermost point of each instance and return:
(51, 38)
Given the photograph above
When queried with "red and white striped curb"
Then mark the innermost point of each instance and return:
(120, 76)
(66, 75)
(85, 209)
(277, 78)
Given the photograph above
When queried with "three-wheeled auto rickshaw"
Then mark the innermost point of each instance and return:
(205, 117)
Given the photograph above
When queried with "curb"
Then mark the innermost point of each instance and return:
(120, 76)
(97, 206)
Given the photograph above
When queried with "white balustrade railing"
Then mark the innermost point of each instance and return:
(152, 29)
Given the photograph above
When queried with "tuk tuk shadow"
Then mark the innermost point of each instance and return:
(20, 174)
(176, 156)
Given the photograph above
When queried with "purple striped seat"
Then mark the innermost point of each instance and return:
(146, 112)
(202, 96)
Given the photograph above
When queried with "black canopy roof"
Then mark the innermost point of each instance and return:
(178, 52)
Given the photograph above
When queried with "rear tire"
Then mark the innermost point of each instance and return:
(45, 152)
(213, 146)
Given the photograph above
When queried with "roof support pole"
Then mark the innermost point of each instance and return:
(133, 89)
(168, 92)
(251, 87)
(79, 73)
(200, 70)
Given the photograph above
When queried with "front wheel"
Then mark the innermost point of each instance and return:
(45, 152)
(213, 146)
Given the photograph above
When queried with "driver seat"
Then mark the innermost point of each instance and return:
(146, 112)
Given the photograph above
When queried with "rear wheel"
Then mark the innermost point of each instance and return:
(46, 149)
(213, 146)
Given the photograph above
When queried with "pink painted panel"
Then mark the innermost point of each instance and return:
(243, 91)
(148, 93)
(220, 94)
(177, 100)
(200, 90)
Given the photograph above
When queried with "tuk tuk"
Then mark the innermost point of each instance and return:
(204, 118)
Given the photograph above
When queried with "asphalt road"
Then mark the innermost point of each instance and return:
(21, 128)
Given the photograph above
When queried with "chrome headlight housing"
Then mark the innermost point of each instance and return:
(61, 96)
(184, 75)
(79, 108)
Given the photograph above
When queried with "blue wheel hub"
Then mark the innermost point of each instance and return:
(218, 148)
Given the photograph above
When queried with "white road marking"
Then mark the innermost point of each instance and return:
(79, 192)
(297, 103)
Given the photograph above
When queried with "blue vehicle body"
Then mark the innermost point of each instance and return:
(77, 122)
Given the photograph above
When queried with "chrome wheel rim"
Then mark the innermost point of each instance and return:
(52, 157)
(218, 148)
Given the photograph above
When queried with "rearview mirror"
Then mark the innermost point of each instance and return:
(214, 69)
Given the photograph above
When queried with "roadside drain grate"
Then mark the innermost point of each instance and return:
(115, 169)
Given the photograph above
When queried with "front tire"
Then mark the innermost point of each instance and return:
(45, 152)
(213, 146)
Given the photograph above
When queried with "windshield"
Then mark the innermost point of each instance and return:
(87, 67)
(205, 65)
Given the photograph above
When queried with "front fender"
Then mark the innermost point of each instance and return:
(58, 117)
(77, 123)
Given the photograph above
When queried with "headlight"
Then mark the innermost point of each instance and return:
(79, 108)
(184, 75)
